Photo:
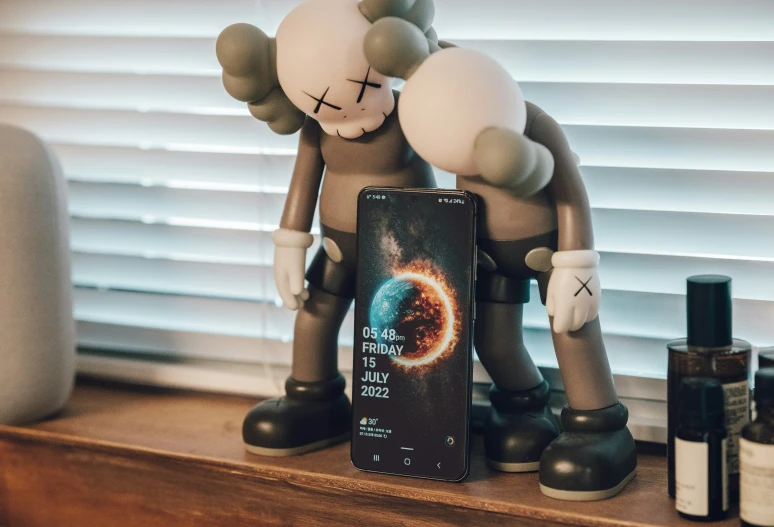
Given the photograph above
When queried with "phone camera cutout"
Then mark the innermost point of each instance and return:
(450, 441)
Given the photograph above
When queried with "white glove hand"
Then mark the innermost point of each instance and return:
(574, 290)
(289, 265)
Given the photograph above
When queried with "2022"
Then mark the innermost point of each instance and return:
(381, 392)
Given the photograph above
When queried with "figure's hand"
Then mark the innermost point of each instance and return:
(508, 159)
(289, 265)
(574, 290)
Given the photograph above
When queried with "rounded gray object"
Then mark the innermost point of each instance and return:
(37, 331)
(395, 48)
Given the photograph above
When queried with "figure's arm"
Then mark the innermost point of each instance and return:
(574, 290)
(292, 239)
(305, 181)
(566, 186)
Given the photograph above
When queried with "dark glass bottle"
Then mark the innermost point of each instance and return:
(710, 351)
(756, 502)
(700, 452)
(766, 358)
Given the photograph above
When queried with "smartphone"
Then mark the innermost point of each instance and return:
(411, 389)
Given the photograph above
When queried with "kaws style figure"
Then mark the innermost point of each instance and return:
(527, 230)
(313, 77)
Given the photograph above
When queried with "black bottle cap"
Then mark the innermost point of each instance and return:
(764, 386)
(766, 358)
(701, 403)
(709, 311)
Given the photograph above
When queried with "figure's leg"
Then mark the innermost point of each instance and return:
(595, 457)
(315, 412)
(520, 425)
(316, 336)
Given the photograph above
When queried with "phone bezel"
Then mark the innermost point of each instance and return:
(470, 313)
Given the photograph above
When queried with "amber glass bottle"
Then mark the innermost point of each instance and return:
(710, 351)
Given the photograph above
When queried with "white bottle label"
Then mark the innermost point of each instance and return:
(756, 483)
(737, 401)
(724, 457)
(692, 477)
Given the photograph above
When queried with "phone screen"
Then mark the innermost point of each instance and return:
(413, 332)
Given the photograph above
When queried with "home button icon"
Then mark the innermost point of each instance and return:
(407, 461)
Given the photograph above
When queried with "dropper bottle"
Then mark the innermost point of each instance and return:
(700, 452)
(710, 351)
(756, 454)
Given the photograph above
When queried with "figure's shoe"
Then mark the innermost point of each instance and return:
(593, 459)
(518, 429)
(309, 417)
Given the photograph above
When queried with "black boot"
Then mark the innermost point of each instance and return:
(312, 415)
(520, 426)
(593, 459)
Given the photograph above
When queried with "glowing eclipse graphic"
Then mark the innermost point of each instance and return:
(418, 303)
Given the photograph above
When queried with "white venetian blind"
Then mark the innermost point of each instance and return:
(175, 189)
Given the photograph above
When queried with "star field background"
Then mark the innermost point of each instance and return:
(427, 403)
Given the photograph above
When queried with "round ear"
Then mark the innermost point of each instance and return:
(419, 12)
(277, 110)
(246, 55)
(248, 58)
(395, 47)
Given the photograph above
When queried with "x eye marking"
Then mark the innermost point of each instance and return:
(365, 84)
(321, 101)
(584, 285)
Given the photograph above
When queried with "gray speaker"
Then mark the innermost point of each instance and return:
(37, 331)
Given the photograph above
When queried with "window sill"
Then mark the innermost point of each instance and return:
(156, 457)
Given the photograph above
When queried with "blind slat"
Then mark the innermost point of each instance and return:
(157, 166)
(570, 102)
(148, 204)
(649, 315)
(172, 242)
(221, 279)
(217, 280)
(633, 355)
(626, 231)
(681, 233)
(710, 191)
(688, 148)
(505, 19)
(741, 63)
(622, 187)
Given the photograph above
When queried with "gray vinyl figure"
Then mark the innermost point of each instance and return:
(327, 73)
(313, 76)
(527, 230)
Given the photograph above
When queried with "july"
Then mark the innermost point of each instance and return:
(375, 376)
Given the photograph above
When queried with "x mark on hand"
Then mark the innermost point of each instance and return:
(584, 285)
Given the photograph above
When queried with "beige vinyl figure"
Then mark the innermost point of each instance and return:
(454, 110)
(314, 77)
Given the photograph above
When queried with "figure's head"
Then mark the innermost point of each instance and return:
(450, 96)
(323, 71)
(316, 65)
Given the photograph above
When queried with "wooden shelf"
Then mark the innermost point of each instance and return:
(121, 455)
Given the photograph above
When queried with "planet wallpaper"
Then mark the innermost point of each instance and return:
(412, 315)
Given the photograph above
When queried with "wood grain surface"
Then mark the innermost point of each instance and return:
(125, 456)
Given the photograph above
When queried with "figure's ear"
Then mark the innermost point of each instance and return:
(395, 47)
(418, 12)
(249, 60)
(277, 110)
(373, 10)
